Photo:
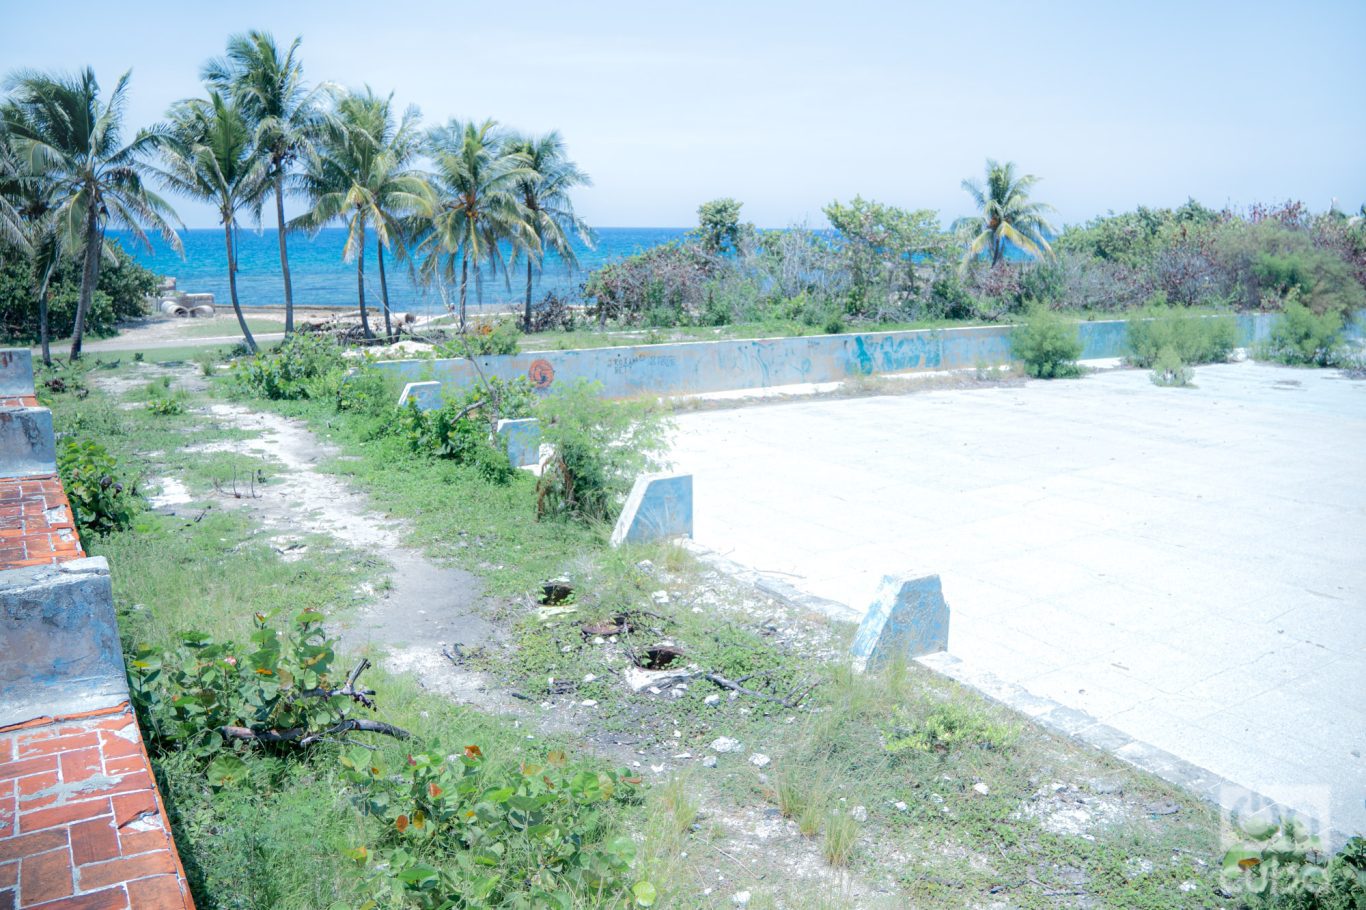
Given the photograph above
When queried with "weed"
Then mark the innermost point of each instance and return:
(101, 500)
(1191, 338)
(1302, 337)
(841, 834)
(1170, 370)
(1048, 345)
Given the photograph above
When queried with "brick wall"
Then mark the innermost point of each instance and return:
(82, 826)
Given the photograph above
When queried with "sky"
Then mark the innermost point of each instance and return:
(789, 105)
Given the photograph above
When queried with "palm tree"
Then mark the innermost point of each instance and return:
(31, 202)
(1006, 214)
(479, 204)
(545, 194)
(359, 172)
(210, 156)
(270, 91)
(71, 139)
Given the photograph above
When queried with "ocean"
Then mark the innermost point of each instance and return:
(321, 278)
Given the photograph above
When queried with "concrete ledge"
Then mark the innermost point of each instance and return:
(426, 395)
(908, 618)
(659, 507)
(61, 651)
(16, 372)
(522, 440)
(27, 446)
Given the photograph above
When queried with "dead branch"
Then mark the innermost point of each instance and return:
(790, 701)
(363, 696)
(301, 737)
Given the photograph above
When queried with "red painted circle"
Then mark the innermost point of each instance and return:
(541, 373)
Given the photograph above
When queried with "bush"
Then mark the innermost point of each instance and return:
(168, 406)
(457, 831)
(600, 448)
(1170, 370)
(303, 366)
(1047, 344)
(216, 698)
(1192, 338)
(100, 501)
(1301, 337)
(119, 294)
(502, 337)
(1282, 867)
(461, 430)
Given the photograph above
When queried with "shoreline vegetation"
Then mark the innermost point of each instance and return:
(463, 204)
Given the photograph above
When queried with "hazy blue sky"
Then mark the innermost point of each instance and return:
(789, 105)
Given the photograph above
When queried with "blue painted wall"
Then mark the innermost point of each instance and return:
(718, 366)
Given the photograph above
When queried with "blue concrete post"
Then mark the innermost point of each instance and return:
(522, 440)
(27, 446)
(427, 395)
(908, 618)
(659, 507)
(16, 372)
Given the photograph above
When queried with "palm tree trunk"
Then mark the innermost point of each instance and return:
(360, 283)
(526, 321)
(284, 254)
(90, 273)
(43, 322)
(464, 279)
(232, 285)
(383, 289)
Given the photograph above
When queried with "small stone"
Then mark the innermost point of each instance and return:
(660, 597)
(658, 769)
(759, 760)
(709, 761)
(725, 744)
(981, 788)
(645, 566)
(566, 650)
(589, 702)
(712, 699)
(900, 806)
(859, 813)
(588, 677)
(599, 640)
(740, 898)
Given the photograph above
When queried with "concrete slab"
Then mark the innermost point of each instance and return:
(658, 507)
(16, 372)
(522, 440)
(1185, 566)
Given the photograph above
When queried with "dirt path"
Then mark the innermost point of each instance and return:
(423, 610)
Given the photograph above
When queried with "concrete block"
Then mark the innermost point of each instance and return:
(16, 372)
(27, 446)
(659, 507)
(60, 651)
(426, 394)
(908, 618)
(522, 439)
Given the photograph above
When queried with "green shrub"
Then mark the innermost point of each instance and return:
(600, 448)
(503, 337)
(1301, 337)
(1047, 344)
(216, 698)
(1192, 338)
(1282, 867)
(1170, 370)
(100, 501)
(303, 366)
(462, 430)
(168, 406)
(455, 830)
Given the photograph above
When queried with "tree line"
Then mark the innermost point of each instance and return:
(491, 199)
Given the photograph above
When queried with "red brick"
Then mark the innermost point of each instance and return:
(115, 746)
(110, 899)
(9, 809)
(29, 786)
(128, 806)
(125, 783)
(161, 892)
(101, 875)
(131, 842)
(63, 815)
(94, 841)
(28, 766)
(45, 877)
(52, 745)
(124, 765)
(28, 844)
(9, 874)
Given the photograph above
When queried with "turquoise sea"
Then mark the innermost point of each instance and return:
(322, 278)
